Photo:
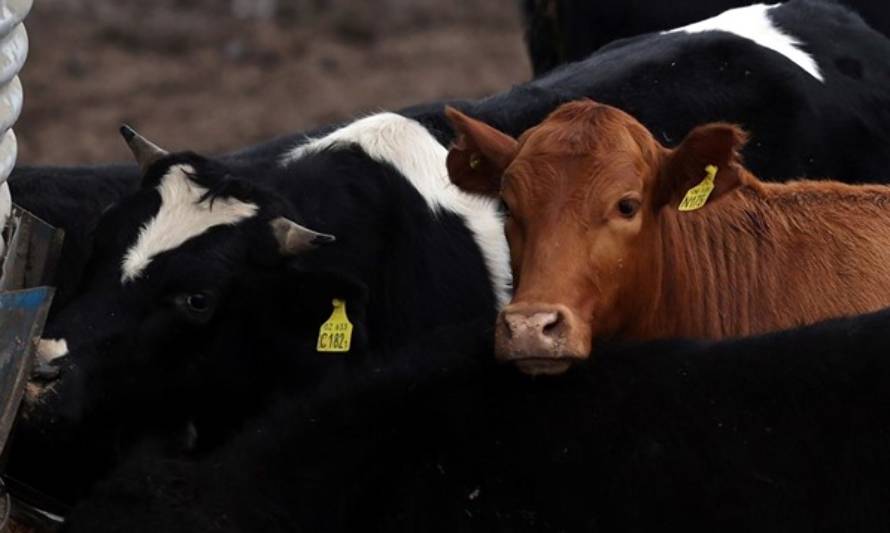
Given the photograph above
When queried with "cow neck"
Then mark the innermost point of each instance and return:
(771, 256)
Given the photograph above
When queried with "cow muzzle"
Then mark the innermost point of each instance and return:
(541, 339)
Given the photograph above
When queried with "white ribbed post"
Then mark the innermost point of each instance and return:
(13, 52)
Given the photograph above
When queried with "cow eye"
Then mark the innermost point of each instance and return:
(505, 209)
(198, 306)
(628, 207)
(198, 302)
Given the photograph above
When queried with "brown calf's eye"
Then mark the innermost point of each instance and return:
(628, 207)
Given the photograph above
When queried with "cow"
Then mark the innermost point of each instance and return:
(72, 198)
(412, 254)
(195, 291)
(562, 31)
(782, 432)
(608, 237)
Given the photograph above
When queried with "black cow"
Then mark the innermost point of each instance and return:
(72, 198)
(562, 31)
(424, 255)
(783, 432)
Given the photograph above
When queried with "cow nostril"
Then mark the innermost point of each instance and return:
(552, 324)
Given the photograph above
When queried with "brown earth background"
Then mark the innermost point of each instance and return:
(216, 75)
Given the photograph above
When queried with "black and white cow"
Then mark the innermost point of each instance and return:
(562, 31)
(783, 432)
(186, 301)
(194, 305)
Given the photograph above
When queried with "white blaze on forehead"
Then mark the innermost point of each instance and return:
(412, 150)
(182, 216)
(753, 23)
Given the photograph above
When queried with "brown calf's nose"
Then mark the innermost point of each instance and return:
(542, 324)
(540, 338)
(531, 333)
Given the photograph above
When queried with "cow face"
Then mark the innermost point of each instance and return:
(196, 309)
(176, 244)
(584, 191)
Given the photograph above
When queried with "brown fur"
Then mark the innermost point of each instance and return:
(757, 257)
(777, 256)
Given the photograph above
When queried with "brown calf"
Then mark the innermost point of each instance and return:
(599, 247)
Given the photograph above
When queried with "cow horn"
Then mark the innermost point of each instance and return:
(293, 238)
(145, 151)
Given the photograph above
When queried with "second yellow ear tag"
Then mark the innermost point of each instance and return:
(697, 196)
(335, 335)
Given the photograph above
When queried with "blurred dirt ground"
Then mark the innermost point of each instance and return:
(215, 75)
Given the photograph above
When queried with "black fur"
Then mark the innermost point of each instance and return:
(562, 31)
(72, 198)
(783, 432)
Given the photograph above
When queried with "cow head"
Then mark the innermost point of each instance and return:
(584, 192)
(197, 307)
(166, 258)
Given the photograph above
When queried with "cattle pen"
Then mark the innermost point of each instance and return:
(413, 265)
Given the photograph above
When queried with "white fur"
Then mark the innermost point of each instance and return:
(753, 23)
(181, 217)
(48, 350)
(411, 149)
(5, 211)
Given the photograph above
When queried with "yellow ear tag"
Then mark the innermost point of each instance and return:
(335, 335)
(697, 196)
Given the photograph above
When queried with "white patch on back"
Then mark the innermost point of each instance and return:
(49, 350)
(753, 23)
(411, 149)
(181, 217)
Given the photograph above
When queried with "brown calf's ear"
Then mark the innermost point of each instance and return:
(716, 144)
(479, 154)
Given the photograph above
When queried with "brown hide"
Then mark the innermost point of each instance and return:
(600, 249)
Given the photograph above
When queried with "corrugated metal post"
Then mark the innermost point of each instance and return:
(22, 314)
(13, 52)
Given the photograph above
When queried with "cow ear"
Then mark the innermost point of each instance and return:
(479, 155)
(294, 239)
(712, 145)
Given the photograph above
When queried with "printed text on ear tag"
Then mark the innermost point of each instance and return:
(697, 196)
(335, 335)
